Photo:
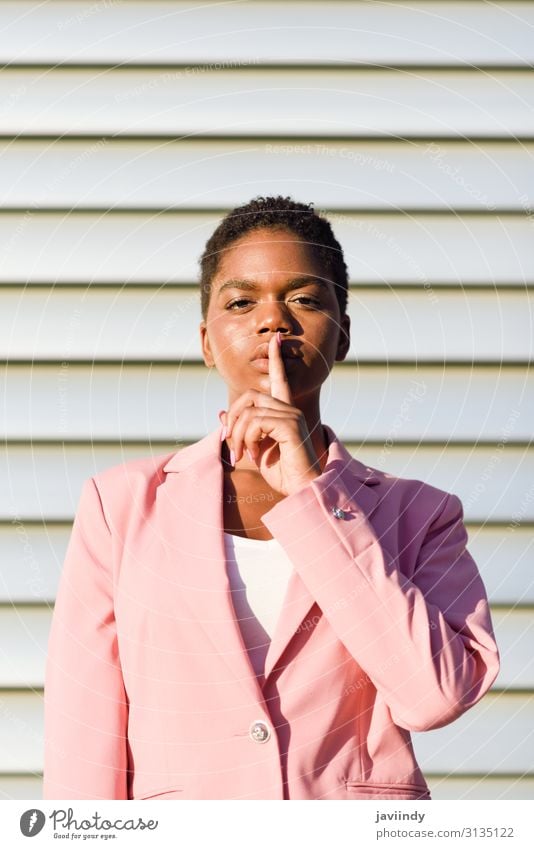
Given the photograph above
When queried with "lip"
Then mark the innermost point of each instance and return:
(262, 352)
(262, 363)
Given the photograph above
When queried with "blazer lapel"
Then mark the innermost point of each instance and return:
(191, 523)
(191, 520)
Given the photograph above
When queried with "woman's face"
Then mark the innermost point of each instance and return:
(268, 281)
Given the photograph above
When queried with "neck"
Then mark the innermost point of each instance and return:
(320, 443)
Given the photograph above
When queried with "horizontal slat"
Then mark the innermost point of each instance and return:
(44, 481)
(121, 324)
(514, 631)
(23, 645)
(24, 635)
(253, 102)
(40, 247)
(481, 787)
(505, 556)
(393, 404)
(495, 736)
(21, 787)
(21, 732)
(32, 558)
(354, 175)
(162, 32)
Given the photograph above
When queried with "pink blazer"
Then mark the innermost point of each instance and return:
(149, 690)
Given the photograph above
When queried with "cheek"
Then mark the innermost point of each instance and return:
(327, 342)
(228, 348)
(219, 335)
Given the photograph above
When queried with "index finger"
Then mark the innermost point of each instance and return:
(277, 373)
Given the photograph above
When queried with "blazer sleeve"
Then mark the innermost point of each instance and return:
(425, 642)
(85, 704)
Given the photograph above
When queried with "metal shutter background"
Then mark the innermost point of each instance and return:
(126, 130)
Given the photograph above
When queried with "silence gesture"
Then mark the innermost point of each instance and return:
(273, 430)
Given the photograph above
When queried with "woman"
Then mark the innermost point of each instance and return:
(260, 615)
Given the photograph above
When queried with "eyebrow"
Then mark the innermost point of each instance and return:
(296, 283)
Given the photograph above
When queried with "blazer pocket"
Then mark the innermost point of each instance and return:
(372, 790)
(165, 793)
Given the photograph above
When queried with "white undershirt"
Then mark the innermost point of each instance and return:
(259, 571)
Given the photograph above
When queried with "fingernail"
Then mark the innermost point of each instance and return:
(223, 433)
(279, 339)
(220, 414)
(250, 457)
(232, 456)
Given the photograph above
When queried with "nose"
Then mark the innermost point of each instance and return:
(273, 317)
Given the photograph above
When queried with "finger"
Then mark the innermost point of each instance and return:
(254, 425)
(250, 398)
(277, 372)
(256, 434)
(239, 429)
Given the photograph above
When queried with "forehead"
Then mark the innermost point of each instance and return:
(267, 252)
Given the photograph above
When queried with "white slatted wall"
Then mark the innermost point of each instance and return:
(127, 128)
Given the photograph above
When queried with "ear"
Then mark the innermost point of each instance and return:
(205, 343)
(344, 339)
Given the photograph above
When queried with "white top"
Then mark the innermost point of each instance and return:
(259, 571)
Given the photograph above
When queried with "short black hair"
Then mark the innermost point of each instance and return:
(280, 213)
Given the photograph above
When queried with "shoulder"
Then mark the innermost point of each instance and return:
(416, 515)
(415, 497)
(139, 469)
(130, 487)
(393, 494)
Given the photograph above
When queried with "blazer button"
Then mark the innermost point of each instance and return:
(259, 731)
(338, 512)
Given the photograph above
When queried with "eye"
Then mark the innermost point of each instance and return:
(236, 302)
(304, 298)
(313, 301)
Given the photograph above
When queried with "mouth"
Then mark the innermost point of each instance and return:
(290, 352)
(261, 353)
(262, 363)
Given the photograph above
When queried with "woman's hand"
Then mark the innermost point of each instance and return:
(274, 431)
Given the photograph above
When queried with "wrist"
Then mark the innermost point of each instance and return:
(304, 482)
